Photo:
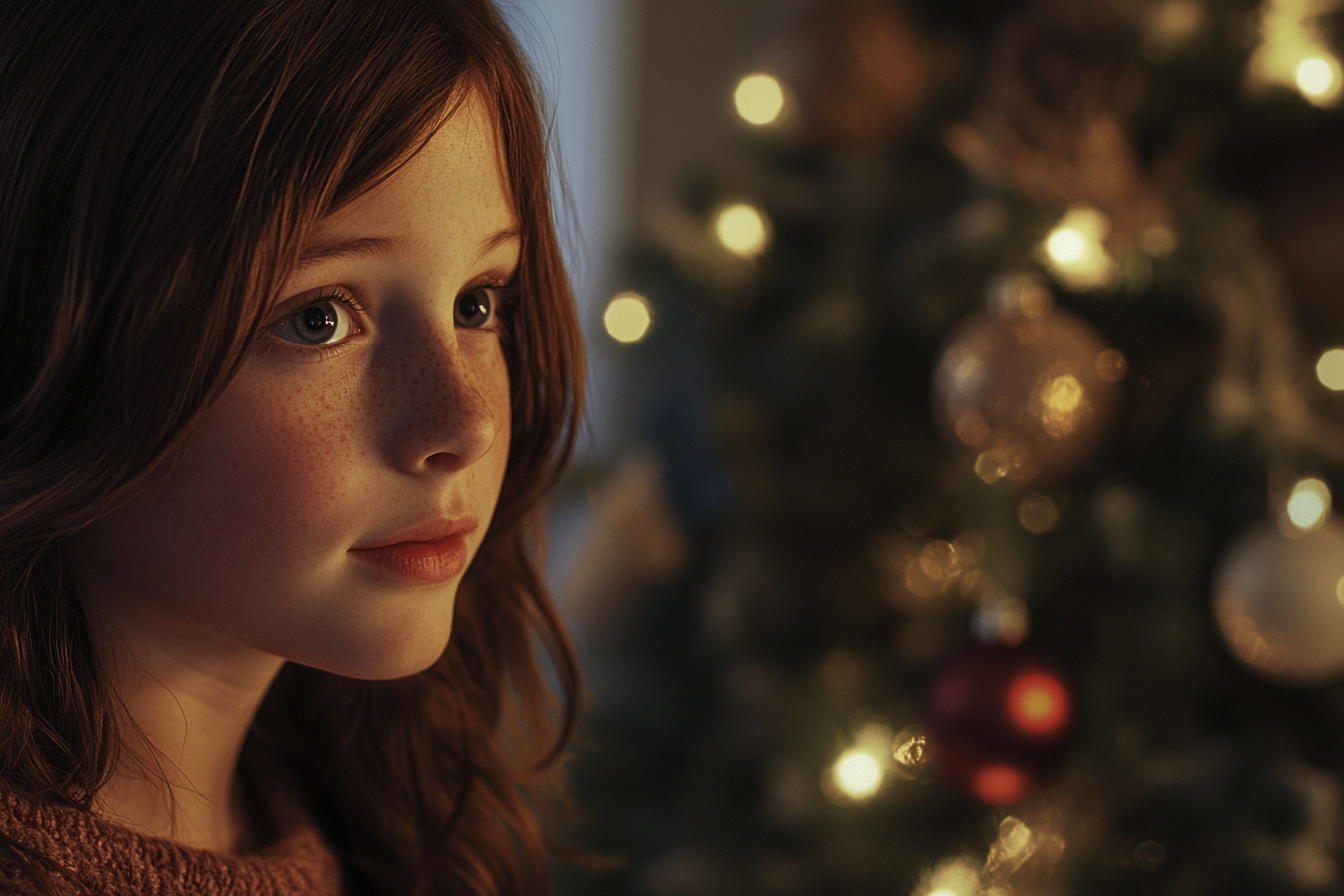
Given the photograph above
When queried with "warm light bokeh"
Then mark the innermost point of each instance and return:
(1292, 51)
(759, 99)
(627, 317)
(1074, 252)
(1038, 703)
(1309, 504)
(742, 230)
(1317, 76)
(999, 785)
(858, 773)
(1330, 369)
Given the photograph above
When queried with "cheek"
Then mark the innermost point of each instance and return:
(256, 493)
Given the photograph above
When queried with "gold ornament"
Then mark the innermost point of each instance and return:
(1030, 390)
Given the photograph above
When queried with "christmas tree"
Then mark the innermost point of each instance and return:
(994, 414)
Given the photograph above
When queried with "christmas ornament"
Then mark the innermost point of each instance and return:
(999, 720)
(1277, 599)
(1030, 389)
(862, 73)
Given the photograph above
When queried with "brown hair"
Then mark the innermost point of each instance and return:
(161, 164)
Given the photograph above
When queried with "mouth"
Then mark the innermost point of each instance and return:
(432, 553)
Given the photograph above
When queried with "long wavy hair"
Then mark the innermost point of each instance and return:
(161, 166)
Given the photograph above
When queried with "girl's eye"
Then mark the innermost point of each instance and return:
(323, 322)
(475, 309)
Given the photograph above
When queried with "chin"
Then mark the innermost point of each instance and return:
(381, 653)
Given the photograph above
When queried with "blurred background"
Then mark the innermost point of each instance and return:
(953, 515)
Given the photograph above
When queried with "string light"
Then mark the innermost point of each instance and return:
(1317, 76)
(858, 773)
(742, 230)
(1074, 252)
(1292, 52)
(627, 317)
(1309, 504)
(1330, 369)
(759, 99)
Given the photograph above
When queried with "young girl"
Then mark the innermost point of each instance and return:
(287, 362)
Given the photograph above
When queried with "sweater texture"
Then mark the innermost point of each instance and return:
(113, 860)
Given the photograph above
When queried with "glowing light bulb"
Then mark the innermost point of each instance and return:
(759, 99)
(1317, 77)
(858, 773)
(1065, 245)
(1074, 252)
(627, 317)
(1309, 504)
(742, 230)
(1330, 369)
(1038, 703)
(1293, 51)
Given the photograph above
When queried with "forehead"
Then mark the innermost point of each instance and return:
(455, 184)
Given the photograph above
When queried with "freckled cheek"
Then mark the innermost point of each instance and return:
(272, 474)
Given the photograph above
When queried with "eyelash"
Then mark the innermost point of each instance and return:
(317, 352)
(505, 293)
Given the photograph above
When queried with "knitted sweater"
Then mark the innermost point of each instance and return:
(117, 861)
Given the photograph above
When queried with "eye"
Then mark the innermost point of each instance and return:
(475, 308)
(326, 321)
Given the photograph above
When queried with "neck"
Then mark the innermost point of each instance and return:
(183, 719)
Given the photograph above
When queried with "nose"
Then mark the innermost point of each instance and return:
(448, 402)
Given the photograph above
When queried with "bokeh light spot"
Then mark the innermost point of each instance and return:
(1330, 369)
(1038, 513)
(1309, 504)
(1038, 703)
(742, 230)
(627, 317)
(1066, 245)
(1074, 250)
(999, 785)
(858, 773)
(1316, 77)
(759, 99)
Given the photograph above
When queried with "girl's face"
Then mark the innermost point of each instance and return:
(327, 506)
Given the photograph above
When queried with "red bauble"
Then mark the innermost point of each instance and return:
(1000, 720)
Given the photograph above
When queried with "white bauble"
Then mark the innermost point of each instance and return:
(1279, 601)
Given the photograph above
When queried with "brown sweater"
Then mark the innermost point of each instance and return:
(117, 861)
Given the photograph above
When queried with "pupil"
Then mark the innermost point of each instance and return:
(473, 309)
(318, 322)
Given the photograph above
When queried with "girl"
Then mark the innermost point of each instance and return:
(287, 362)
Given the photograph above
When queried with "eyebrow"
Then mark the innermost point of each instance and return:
(366, 246)
(362, 247)
(497, 239)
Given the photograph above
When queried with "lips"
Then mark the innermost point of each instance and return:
(430, 553)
